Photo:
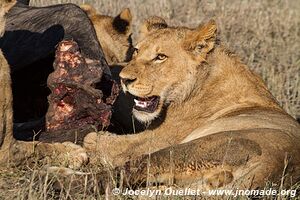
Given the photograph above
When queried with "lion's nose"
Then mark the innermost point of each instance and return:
(127, 81)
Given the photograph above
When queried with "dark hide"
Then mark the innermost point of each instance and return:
(25, 2)
(34, 33)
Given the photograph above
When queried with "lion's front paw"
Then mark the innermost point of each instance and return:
(76, 155)
(100, 146)
(90, 141)
(95, 140)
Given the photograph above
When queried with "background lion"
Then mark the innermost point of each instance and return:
(114, 34)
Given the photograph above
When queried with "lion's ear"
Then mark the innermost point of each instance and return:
(6, 5)
(90, 10)
(151, 24)
(122, 22)
(208, 30)
(202, 39)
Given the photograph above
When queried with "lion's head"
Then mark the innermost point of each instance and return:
(166, 66)
(113, 33)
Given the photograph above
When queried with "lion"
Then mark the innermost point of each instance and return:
(13, 151)
(212, 123)
(5, 89)
(113, 33)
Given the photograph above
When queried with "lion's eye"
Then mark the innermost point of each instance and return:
(160, 57)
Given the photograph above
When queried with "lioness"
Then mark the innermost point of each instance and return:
(113, 33)
(212, 122)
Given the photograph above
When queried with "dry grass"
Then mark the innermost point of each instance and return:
(33, 181)
(265, 34)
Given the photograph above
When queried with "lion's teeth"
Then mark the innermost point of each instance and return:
(141, 104)
(136, 102)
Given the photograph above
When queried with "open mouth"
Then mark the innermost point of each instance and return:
(148, 104)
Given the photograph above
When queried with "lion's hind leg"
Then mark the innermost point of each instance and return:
(205, 163)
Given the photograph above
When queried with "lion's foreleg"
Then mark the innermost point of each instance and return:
(6, 113)
(66, 153)
(114, 149)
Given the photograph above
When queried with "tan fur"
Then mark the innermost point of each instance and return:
(113, 33)
(217, 124)
(5, 105)
(6, 118)
(12, 151)
(5, 5)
